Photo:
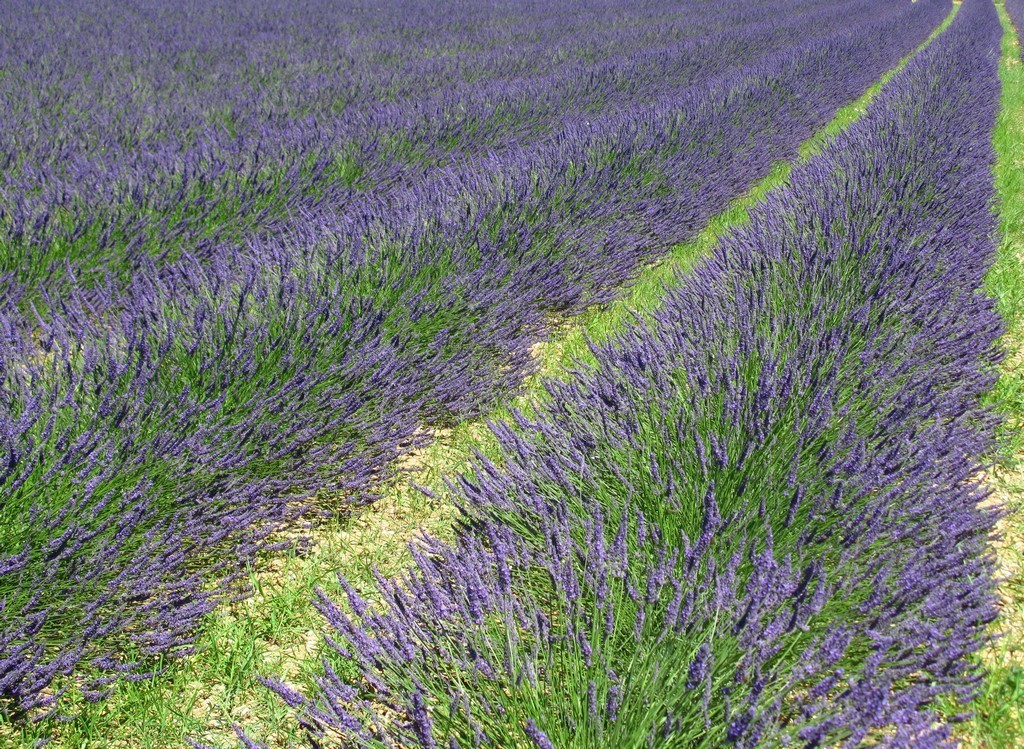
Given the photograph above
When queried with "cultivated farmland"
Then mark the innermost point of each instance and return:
(475, 374)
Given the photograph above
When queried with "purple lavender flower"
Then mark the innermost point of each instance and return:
(829, 579)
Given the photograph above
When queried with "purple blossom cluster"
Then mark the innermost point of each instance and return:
(755, 520)
(148, 132)
(1015, 9)
(158, 425)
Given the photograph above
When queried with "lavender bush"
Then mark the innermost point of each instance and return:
(1015, 8)
(754, 521)
(158, 427)
(189, 137)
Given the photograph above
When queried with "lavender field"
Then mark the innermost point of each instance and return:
(670, 349)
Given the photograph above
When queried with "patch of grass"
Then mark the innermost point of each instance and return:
(998, 721)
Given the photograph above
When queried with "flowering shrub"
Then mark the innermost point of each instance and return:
(160, 423)
(1016, 10)
(220, 124)
(755, 521)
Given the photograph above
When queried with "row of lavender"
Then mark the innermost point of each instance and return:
(191, 123)
(755, 521)
(1015, 9)
(154, 435)
(189, 138)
